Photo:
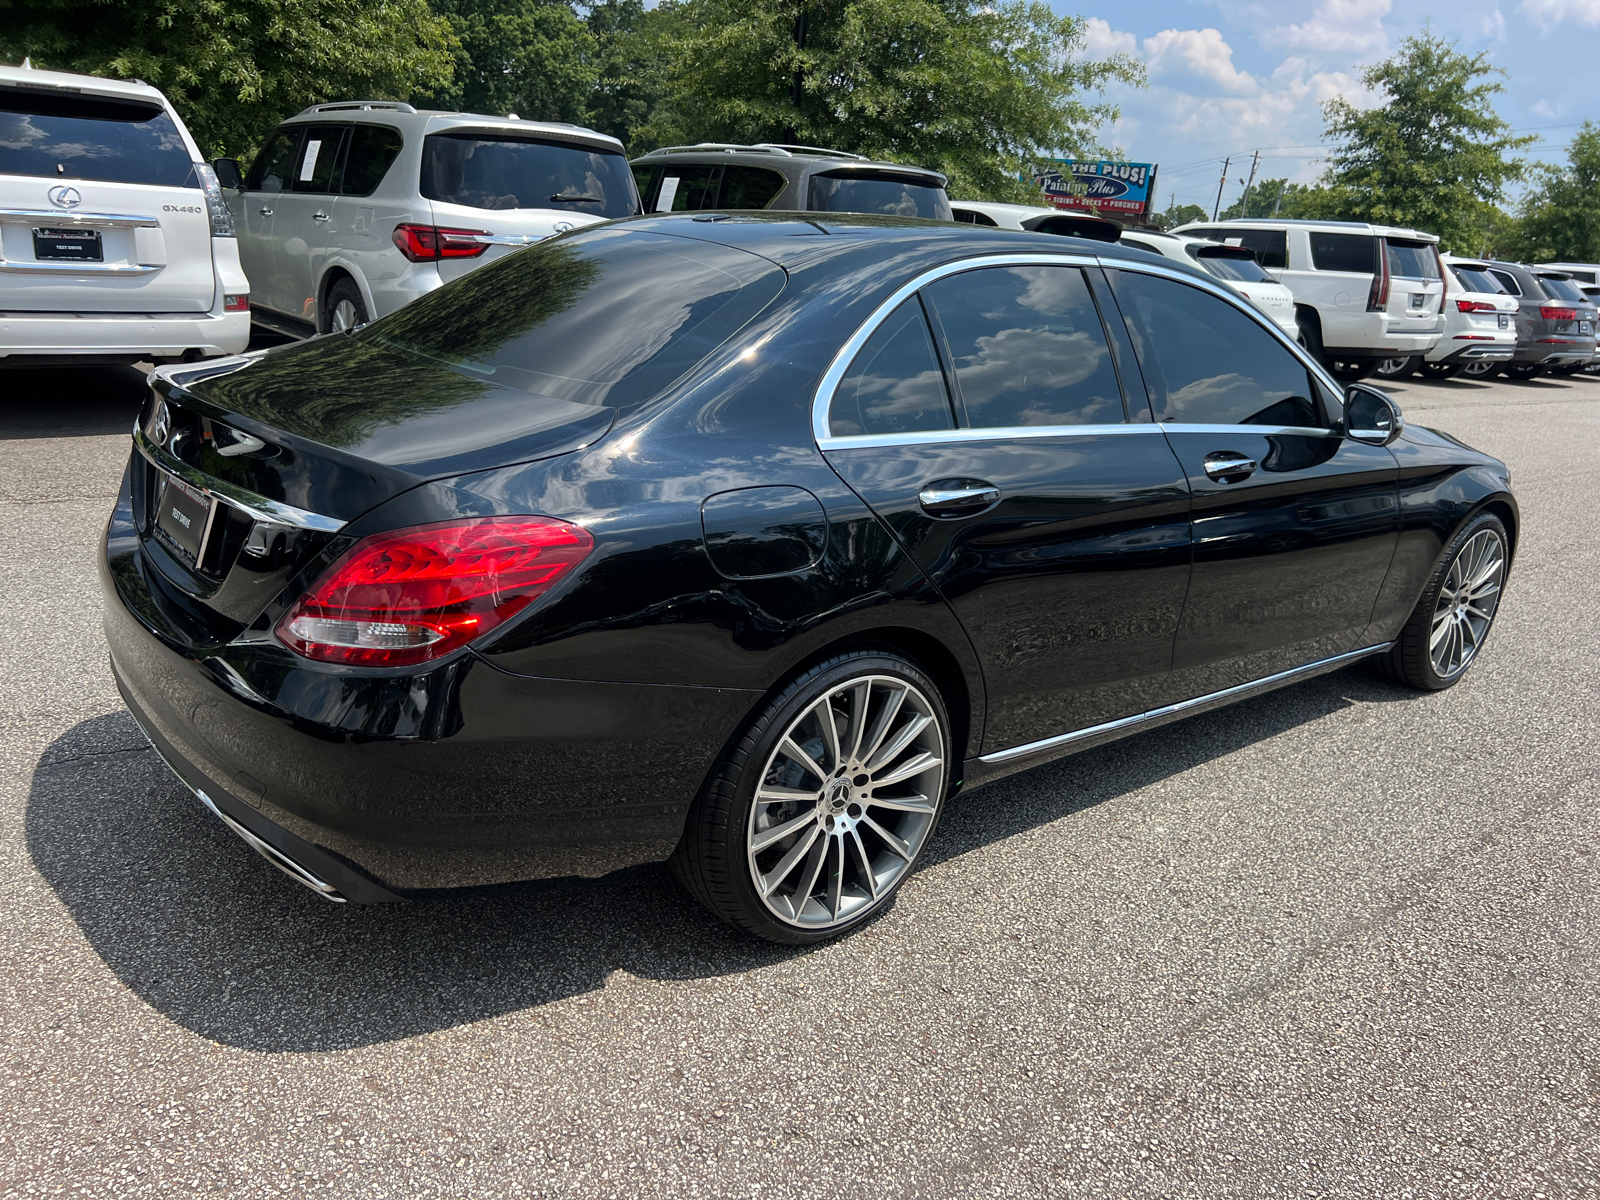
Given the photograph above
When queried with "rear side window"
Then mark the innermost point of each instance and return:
(884, 194)
(1509, 281)
(609, 317)
(749, 187)
(1028, 347)
(497, 172)
(318, 164)
(685, 189)
(1561, 289)
(274, 165)
(373, 149)
(1353, 252)
(894, 385)
(1207, 363)
(1411, 260)
(1271, 246)
(1477, 281)
(85, 137)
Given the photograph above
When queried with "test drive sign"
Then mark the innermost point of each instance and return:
(1120, 188)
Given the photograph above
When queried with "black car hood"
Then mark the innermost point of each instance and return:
(395, 411)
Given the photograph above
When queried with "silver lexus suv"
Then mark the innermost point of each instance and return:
(352, 210)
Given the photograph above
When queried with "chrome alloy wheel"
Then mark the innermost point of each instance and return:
(1391, 367)
(1480, 368)
(1466, 604)
(846, 802)
(343, 317)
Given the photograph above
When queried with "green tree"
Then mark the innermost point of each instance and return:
(1560, 218)
(633, 47)
(234, 68)
(977, 90)
(531, 57)
(1275, 197)
(1433, 154)
(1179, 214)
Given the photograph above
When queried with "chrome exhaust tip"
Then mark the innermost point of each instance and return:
(275, 856)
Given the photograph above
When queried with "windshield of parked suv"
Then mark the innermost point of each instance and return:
(1238, 267)
(496, 172)
(609, 317)
(1474, 280)
(1562, 289)
(1412, 260)
(89, 137)
(886, 195)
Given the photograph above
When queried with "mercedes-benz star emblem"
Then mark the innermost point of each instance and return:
(160, 424)
(65, 197)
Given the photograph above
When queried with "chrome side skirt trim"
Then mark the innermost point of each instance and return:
(1132, 724)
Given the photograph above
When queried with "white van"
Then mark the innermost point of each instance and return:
(352, 210)
(115, 244)
(1363, 293)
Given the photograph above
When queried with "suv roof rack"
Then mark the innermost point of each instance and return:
(820, 151)
(724, 147)
(358, 105)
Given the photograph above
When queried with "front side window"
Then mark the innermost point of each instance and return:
(883, 194)
(76, 136)
(497, 172)
(894, 385)
(1028, 347)
(1356, 253)
(318, 164)
(373, 149)
(1207, 363)
(274, 165)
(749, 187)
(1411, 260)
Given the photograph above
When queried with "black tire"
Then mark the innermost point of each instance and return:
(1350, 371)
(1441, 370)
(1310, 333)
(1525, 371)
(713, 859)
(1567, 369)
(343, 292)
(1411, 661)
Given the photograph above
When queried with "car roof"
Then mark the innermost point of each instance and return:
(1303, 223)
(133, 89)
(773, 154)
(1002, 206)
(390, 112)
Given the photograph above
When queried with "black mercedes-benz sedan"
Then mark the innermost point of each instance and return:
(746, 542)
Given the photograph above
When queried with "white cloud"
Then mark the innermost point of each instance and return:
(1201, 53)
(1101, 40)
(1549, 13)
(1494, 26)
(1547, 110)
(1351, 27)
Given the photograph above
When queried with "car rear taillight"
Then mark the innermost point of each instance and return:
(216, 207)
(408, 597)
(1475, 306)
(425, 243)
(236, 303)
(1552, 313)
(1378, 293)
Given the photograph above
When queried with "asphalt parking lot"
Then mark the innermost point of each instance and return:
(1336, 941)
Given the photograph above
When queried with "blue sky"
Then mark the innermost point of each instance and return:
(1228, 77)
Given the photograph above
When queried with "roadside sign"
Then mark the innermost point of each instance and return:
(1119, 188)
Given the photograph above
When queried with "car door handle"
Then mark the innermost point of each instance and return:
(952, 500)
(265, 212)
(321, 217)
(1228, 466)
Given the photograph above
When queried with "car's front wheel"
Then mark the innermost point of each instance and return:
(819, 813)
(1452, 620)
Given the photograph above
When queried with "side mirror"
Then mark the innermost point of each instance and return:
(227, 170)
(1370, 416)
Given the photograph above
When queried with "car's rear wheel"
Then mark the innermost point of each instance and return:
(1452, 620)
(1525, 371)
(1396, 368)
(1351, 370)
(1568, 368)
(819, 813)
(344, 309)
(1480, 370)
(1441, 370)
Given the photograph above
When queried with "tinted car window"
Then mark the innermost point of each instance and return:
(894, 385)
(970, 216)
(610, 318)
(1028, 347)
(84, 137)
(373, 149)
(1344, 252)
(1270, 245)
(1561, 289)
(1508, 281)
(317, 166)
(894, 196)
(1207, 363)
(499, 172)
(685, 189)
(1133, 244)
(1237, 267)
(274, 165)
(1477, 281)
(749, 187)
(1411, 260)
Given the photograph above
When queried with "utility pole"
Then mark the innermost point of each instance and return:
(1244, 208)
(1221, 183)
(799, 72)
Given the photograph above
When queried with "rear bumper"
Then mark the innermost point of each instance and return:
(1452, 351)
(513, 777)
(121, 336)
(1391, 345)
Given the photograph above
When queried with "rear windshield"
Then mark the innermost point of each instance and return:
(1478, 281)
(1239, 267)
(887, 195)
(610, 317)
(1412, 260)
(498, 172)
(86, 137)
(1562, 289)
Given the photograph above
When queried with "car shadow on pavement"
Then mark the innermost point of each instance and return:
(70, 402)
(201, 929)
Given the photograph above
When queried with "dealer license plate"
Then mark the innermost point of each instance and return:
(67, 245)
(1585, 327)
(1505, 321)
(183, 516)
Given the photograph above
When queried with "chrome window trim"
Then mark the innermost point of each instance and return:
(258, 508)
(835, 373)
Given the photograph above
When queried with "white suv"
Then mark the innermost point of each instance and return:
(353, 210)
(1234, 265)
(115, 245)
(1363, 293)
